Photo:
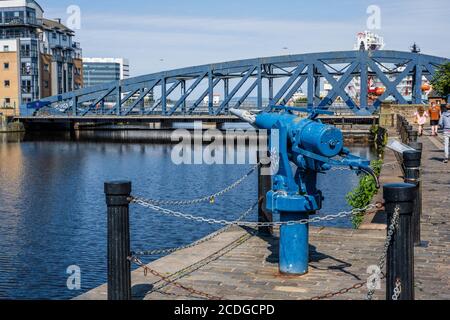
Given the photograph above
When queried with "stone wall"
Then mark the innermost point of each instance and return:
(6, 126)
(388, 113)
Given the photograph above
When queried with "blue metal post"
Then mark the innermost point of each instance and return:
(210, 93)
(164, 96)
(271, 91)
(417, 84)
(118, 100)
(316, 87)
(260, 88)
(363, 103)
(294, 244)
(75, 105)
(142, 103)
(311, 85)
(183, 92)
(226, 92)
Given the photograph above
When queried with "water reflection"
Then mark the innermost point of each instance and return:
(53, 212)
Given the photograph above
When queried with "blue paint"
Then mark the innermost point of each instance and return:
(311, 146)
(251, 73)
(294, 245)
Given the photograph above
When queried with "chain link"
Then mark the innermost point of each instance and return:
(191, 217)
(196, 243)
(210, 198)
(392, 228)
(340, 292)
(168, 281)
(397, 290)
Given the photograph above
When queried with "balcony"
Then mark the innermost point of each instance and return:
(26, 90)
(28, 54)
(20, 21)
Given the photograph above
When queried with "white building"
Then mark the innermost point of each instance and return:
(105, 70)
(216, 100)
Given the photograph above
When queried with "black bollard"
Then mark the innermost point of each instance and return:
(264, 186)
(408, 133)
(416, 146)
(400, 257)
(119, 267)
(399, 123)
(412, 163)
(413, 135)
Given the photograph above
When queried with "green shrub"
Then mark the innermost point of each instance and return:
(362, 196)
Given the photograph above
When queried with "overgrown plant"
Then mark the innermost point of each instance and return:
(362, 196)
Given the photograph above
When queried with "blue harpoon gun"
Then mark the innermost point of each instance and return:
(314, 148)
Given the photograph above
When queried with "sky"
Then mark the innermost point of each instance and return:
(163, 35)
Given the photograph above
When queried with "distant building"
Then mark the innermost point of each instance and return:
(38, 56)
(216, 99)
(104, 70)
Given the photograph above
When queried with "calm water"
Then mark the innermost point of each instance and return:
(52, 206)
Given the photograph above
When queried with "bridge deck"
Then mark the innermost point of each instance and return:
(237, 265)
(175, 118)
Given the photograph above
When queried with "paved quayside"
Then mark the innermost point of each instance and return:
(238, 265)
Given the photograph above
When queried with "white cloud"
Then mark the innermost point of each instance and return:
(184, 41)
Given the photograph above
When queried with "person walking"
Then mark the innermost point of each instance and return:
(444, 123)
(421, 117)
(435, 116)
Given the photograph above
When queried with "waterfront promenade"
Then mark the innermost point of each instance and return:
(237, 264)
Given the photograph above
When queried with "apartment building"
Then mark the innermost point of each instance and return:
(38, 56)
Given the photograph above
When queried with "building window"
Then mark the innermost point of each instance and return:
(46, 84)
(8, 101)
(6, 48)
(6, 65)
(64, 37)
(46, 67)
(7, 83)
(54, 35)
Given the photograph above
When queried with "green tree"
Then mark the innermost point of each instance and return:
(363, 195)
(441, 80)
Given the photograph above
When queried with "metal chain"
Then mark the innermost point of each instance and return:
(356, 286)
(168, 281)
(210, 198)
(191, 217)
(392, 229)
(196, 243)
(397, 290)
(389, 164)
(340, 292)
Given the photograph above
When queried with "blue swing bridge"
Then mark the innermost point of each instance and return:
(189, 93)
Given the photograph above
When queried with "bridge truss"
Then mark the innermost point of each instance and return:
(273, 81)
